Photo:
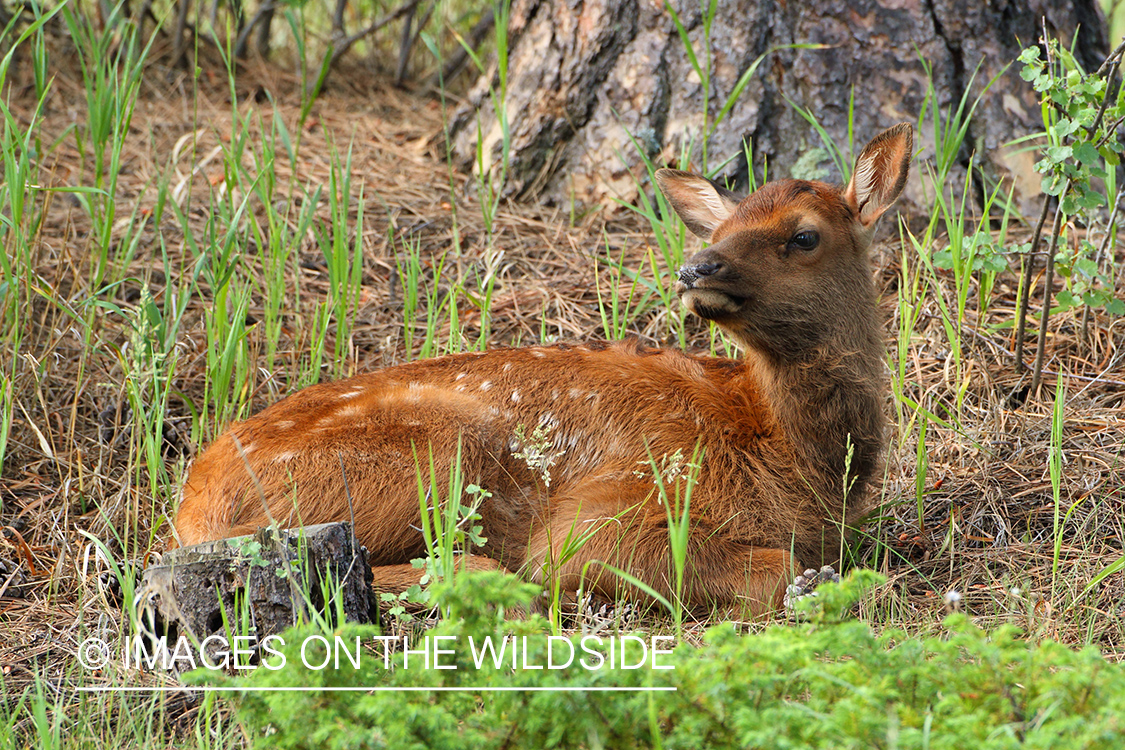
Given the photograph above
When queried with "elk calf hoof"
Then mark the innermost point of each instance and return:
(805, 585)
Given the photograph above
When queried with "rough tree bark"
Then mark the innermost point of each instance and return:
(198, 590)
(585, 73)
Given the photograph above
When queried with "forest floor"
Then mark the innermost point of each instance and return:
(973, 510)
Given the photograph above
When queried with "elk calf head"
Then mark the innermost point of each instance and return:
(786, 272)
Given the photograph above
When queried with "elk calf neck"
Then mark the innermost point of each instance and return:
(792, 435)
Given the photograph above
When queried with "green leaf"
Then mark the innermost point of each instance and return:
(1087, 154)
(1091, 199)
(943, 259)
(1059, 153)
(1063, 128)
(1066, 300)
(1051, 184)
(991, 264)
(1096, 297)
(1030, 56)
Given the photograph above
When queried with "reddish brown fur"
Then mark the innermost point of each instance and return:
(775, 426)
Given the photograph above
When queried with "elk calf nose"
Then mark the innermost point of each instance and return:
(688, 274)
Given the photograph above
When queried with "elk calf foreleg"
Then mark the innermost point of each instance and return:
(394, 579)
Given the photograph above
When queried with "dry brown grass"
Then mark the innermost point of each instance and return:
(987, 526)
(988, 511)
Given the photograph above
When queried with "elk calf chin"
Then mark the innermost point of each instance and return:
(564, 437)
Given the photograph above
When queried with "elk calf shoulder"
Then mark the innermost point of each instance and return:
(562, 436)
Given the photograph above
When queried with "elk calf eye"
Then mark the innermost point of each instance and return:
(806, 240)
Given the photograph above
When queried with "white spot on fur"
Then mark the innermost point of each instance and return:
(537, 353)
(494, 411)
(250, 448)
(554, 395)
(486, 385)
(281, 458)
(349, 411)
(507, 366)
(325, 421)
(284, 424)
(459, 387)
(353, 394)
(515, 397)
(574, 393)
(459, 376)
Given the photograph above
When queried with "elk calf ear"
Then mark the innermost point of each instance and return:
(880, 173)
(702, 204)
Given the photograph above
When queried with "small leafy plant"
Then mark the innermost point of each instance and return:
(1078, 169)
(450, 529)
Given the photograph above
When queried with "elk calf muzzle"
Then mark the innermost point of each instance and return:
(689, 274)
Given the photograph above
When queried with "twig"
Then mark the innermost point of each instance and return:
(180, 49)
(1052, 373)
(1048, 281)
(1114, 57)
(145, 12)
(1084, 334)
(264, 9)
(457, 61)
(338, 19)
(402, 10)
(1025, 274)
(1110, 131)
(264, 30)
(408, 42)
(1093, 130)
(404, 46)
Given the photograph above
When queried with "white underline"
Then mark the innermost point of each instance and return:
(287, 689)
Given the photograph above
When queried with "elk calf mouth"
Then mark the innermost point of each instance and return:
(711, 304)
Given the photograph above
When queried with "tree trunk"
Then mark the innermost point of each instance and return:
(197, 591)
(584, 75)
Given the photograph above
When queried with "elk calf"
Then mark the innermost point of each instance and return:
(792, 434)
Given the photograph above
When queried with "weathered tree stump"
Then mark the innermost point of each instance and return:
(274, 579)
(584, 74)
